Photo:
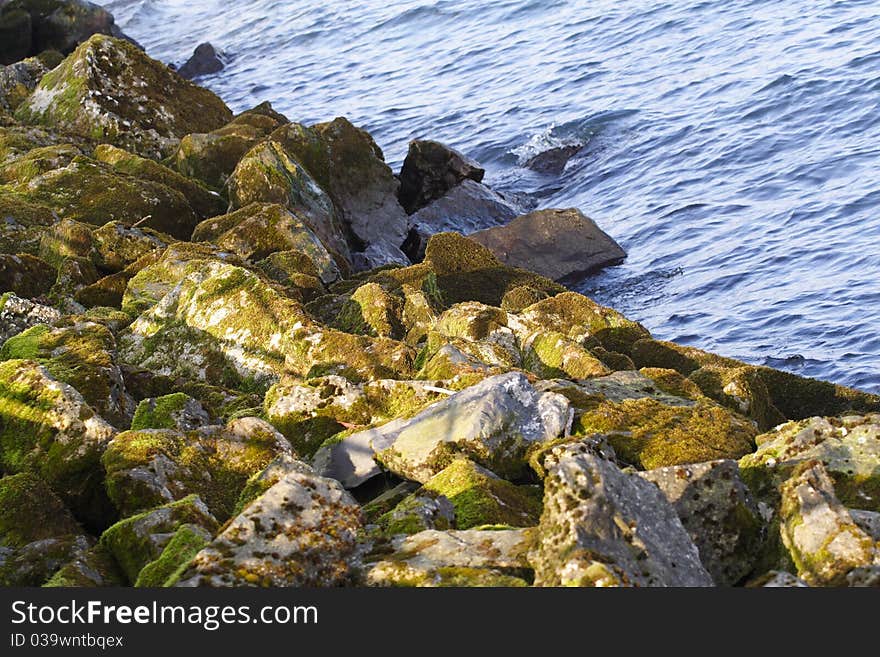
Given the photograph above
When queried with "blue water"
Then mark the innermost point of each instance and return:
(733, 147)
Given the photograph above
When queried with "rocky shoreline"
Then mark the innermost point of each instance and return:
(241, 351)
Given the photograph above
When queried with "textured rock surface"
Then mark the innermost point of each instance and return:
(601, 527)
(430, 170)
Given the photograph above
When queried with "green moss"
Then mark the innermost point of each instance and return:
(371, 311)
(186, 543)
(96, 567)
(551, 355)
(159, 413)
(30, 511)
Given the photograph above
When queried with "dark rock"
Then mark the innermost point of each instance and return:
(468, 207)
(25, 275)
(553, 161)
(15, 35)
(430, 170)
(554, 243)
(204, 61)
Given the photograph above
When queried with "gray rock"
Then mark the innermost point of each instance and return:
(301, 532)
(17, 79)
(601, 527)
(777, 579)
(493, 422)
(867, 576)
(822, 538)
(718, 512)
(554, 243)
(430, 170)
(17, 314)
(466, 208)
(418, 512)
(453, 558)
(868, 521)
(553, 160)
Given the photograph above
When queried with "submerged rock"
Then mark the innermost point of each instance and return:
(554, 243)
(493, 423)
(204, 61)
(430, 170)
(553, 160)
(301, 532)
(601, 527)
(108, 90)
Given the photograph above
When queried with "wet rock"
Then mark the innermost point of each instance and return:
(155, 466)
(47, 428)
(175, 411)
(268, 174)
(718, 512)
(204, 61)
(601, 527)
(849, 449)
(453, 558)
(467, 208)
(301, 532)
(493, 423)
(430, 170)
(82, 355)
(17, 315)
(350, 167)
(25, 275)
(557, 244)
(109, 90)
(553, 160)
(823, 541)
(141, 539)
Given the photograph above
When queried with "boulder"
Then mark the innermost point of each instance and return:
(417, 512)
(186, 542)
(175, 411)
(120, 245)
(204, 61)
(48, 429)
(17, 315)
(22, 223)
(18, 80)
(109, 90)
(777, 579)
(552, 355)
(154, 466)
(69, 239)
(602, 527)
(430, 170)
(718, 512)
(553, 160)
(466, 208)
(493, 423)
(25, 275)
(558, 244)
(471, 558)
(92, 568)
(301, 532)
(34, 563)
(822, 538)
(370, 310)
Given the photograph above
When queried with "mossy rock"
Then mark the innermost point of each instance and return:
(83, 356)
(105, 292)
(25, 275)
(175, 411)
(672, 382)
(95, 193)
(149, 467)
(141, 539)
(480, 497)
(108, 90)
(212, 157)
(518, 299)
(61, 25)
(34, 563)
(120, 245)
(24, 168)
(96, 567)
(69, 239)
(300, 271)
(741, 389)
(419, 314)
(471, 321)
(30, 511)
(203, 201)
(371, 311)
(650, 434)
(73, 274)
(22, 223)
(48, 429)
(551, 355)
(416, 513)
(185, 544)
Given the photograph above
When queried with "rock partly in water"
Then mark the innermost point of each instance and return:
(205, 60)
(602, 527)
(558, 244)
(430, 170)
(553, 160)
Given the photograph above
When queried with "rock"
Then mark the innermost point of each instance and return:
(453, 558)
(175, 411)
(22, 224)
(34, 563)
(263, 480)
(466, 208)
(822, 539)
(417, 512)
(95, 567)
(371, 311)
(17, 315)
(776, 579)
(553, 160)
(120, 246)
(479, 497)
(180, 550)
(301, 532)
(558, 244)
(741, 389)
(63, 24)
(68, 239)
(718, 512)
(47, 428)
(141, 539)
(493, 423)
(868, 522)
(258, 230)
(25, 275)
(204, 61)
(309, 412)
(205, 202)
(601, 527)
(30, 511)
(108, 90)
(94, 193)
(430, 170)
(18, 80)
(15, 35)
(350, 167)
(849, 449)
(155, 466)
(388, 499)
(268, 174)
(552, 355)
(82, 355)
